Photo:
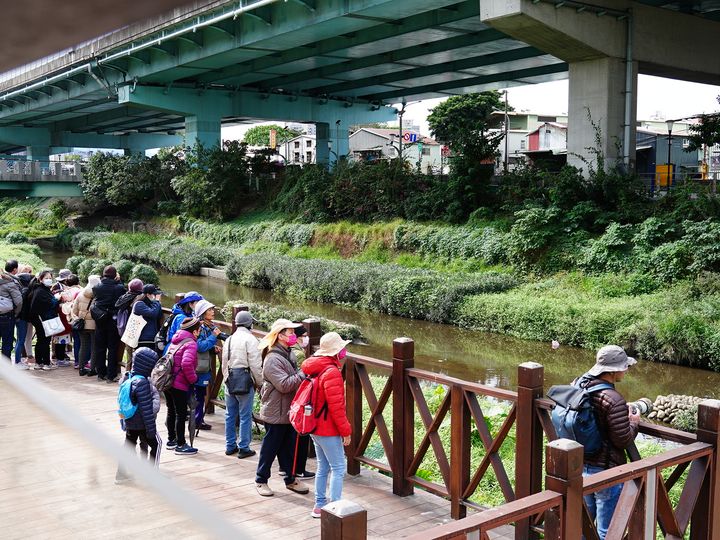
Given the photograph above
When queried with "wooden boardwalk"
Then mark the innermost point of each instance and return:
(55, 485)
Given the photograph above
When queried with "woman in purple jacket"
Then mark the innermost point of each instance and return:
(184, 348)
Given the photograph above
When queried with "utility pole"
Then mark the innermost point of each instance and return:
(506, 131)
(400, 141)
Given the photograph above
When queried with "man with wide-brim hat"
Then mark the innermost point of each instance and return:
(281, 379)
(618, 428)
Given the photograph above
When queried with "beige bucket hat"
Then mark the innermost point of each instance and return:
(331, 344)
(277, 327)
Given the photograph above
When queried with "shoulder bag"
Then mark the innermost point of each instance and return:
(239, 381)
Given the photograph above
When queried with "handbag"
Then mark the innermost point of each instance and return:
(203, 365)
(53, 327)
(78, 325)
(133, 329)
(97, 313)
(239, 381)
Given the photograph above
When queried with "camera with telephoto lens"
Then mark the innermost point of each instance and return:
(642, 406)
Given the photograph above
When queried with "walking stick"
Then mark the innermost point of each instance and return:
(297, 443)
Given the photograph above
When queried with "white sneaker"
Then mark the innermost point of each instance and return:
(47, 368)
(21, 366)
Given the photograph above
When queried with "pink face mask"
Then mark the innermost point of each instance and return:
(342, 354)
(291, 340)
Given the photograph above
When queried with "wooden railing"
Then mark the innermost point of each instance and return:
(383, 415)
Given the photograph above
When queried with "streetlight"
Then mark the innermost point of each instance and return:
(669, 178)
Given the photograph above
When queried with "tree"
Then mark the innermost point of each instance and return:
(260, 135)
(464, 123)
(707, 132)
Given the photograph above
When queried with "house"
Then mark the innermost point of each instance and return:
(547, 145)
(520, 123)
(298, 150)
(369, 144)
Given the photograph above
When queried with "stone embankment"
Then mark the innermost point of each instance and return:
(667, 408)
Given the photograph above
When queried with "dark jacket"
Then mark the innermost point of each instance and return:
(42, 303)
(106, 294)
(126, 300)
(612, 415)
(141, 394)
(151, 312)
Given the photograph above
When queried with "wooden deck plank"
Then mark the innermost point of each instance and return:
(50, 489)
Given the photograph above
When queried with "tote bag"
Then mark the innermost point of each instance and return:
(134, 327)
(53, 327)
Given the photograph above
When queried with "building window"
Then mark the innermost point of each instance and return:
(685, 143)
(297, 157)
(297, 144)
(308, 157)
(308, 143)
(546, 119)
(426, 151)
(548, 131)
(522, 144)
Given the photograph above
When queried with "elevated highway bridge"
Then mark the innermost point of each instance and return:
(336, 63)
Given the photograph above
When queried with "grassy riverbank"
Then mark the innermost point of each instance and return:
(465, 275)
(23, 253)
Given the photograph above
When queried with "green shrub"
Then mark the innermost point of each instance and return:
(16, 238)
(24, 254)
(124, 267)
(84, 269)
(73, 263)
(610, 252)
(145, 273)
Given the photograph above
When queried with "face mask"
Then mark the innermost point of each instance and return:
(342, 354)
(304, 341)
(48, 282)
(291, 340)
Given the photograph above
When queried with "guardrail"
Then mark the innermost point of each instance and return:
(383, 398)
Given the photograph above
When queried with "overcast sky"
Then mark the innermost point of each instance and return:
(657, 98)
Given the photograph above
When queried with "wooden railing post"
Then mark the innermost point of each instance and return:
(459, 450)
(179, 296)
(403, 416)
(705, 522)
(528, 440)
(563, 474)
(353, 408)
(343, 520)
(314, 333)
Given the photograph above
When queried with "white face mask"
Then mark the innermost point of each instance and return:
(304, 341)
(48, 282)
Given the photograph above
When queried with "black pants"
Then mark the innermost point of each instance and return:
(106, 345)
(279, 441)
(132, 436)
(87, 338)
(302, 454)
(177, 411)
(42, 345)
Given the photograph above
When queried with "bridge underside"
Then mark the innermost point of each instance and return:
(349, 59)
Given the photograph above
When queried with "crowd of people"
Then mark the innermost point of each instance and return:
(91, 322)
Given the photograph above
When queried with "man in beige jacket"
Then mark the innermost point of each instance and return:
(241, 351)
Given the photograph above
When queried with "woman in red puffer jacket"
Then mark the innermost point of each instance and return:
(333, 429)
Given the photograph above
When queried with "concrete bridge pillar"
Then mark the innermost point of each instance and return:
(38, 153)
(596, 111)
(322, 143)
(332, 142)
(204, 129)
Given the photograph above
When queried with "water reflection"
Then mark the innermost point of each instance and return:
(477, 356)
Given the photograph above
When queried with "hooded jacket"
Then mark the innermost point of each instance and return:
(10, 288)
(184, 360)
(81, 308)
(141, 393)
(612, 416)
(281, 381)
(330, 394)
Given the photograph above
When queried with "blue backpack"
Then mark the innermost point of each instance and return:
(126, 408)
(574, 415)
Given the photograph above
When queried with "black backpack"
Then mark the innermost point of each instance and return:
(161, 336)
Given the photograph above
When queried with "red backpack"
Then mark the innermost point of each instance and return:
(304, 410)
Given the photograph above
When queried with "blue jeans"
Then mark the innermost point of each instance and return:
(21, 329)
(76, 347)
(330, 458)
(7, 332)
(601, 504)
(238, 406)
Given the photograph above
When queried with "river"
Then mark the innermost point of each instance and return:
(475, 356)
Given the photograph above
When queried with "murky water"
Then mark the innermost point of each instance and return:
(469, 355)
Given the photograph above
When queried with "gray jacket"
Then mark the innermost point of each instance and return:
(282, 379)
(10, 288)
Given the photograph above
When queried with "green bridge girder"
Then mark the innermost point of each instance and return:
(39, 189)
(331, 62)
